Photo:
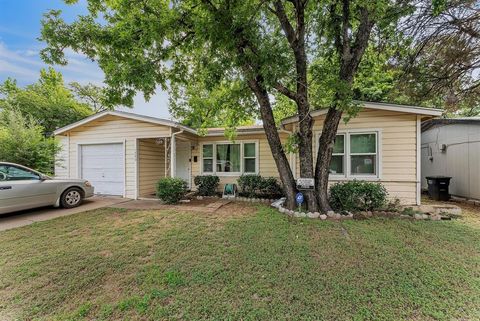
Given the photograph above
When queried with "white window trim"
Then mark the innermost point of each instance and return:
(347, 175)
(242, 163)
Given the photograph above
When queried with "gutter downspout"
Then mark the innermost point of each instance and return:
(173, 155)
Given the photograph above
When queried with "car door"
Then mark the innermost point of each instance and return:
(21, 189)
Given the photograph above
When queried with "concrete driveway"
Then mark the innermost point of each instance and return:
(22, 218)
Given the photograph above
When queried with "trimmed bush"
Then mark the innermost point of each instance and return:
(249, 184)
(171, 190)
(207, 184)
(354, 196)
(252, 185)
(270, 186)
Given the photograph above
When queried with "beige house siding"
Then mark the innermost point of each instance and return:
(113, 129)
(397, 146)
(61, 159)
(151, 166)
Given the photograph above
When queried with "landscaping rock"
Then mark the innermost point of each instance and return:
(313, 215)
(299, 214)
(360, 215)
(330, 213)
(282, 210)
(200, 198)
(349, 215)
(337, 216)
(323, 217)
(435, 217)
(418, 216)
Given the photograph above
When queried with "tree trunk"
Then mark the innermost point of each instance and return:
(275, 143)
(350, 57)
(322, 167)
(296, 39)
(305, 149)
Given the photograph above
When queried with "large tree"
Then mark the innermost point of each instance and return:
(92, 95)
(48, 102)
(265, 46)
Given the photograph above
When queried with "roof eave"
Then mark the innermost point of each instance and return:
(148, 119)
(433, 112)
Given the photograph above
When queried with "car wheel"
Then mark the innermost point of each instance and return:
(72, 197)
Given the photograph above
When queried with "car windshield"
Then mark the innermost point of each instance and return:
(14, 173)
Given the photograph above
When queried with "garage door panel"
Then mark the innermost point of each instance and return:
(103, 149)
(113, 164)
(102, 165)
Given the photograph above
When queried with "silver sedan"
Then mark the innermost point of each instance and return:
(23, 188)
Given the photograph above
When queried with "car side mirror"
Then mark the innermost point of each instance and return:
(43, 178)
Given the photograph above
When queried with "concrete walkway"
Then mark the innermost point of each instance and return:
(17, 219)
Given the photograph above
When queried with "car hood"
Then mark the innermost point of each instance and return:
(68, 180)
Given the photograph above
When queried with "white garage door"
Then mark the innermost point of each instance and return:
(102, 165)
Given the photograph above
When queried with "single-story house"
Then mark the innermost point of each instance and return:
(451, 147)
(125, 154)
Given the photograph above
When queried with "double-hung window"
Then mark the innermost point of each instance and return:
(363, 154)
(250, 158)
(337, 164)
(207, 152)
(355, 154)
(230, 158)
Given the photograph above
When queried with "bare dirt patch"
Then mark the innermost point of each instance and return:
(236, 209)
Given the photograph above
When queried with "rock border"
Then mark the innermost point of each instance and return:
(331, 215)
(254, 200)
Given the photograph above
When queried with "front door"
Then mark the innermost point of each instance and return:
(182, 164)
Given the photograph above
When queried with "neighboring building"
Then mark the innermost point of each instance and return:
(125, 154)
(451, 147)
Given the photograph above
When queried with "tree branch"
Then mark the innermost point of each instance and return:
(361, 38)
(285, 91)
(285, 23)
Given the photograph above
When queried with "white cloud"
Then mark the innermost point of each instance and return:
(24, 65)
(15, 70)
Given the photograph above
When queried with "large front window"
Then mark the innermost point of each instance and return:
(225, 158)
(355, 154)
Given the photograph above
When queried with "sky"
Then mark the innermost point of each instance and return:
(19, 51)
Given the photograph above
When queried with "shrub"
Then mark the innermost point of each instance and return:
(207, 184)
(22, 142)
(257, 186)
(249, 184)
(270, 186)
(171, 190)
(358, 196)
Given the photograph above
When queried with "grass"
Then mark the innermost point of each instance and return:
(247, 263)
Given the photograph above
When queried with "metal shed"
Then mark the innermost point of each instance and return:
(451, 147)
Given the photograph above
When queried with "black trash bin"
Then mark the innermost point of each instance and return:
(438, 187)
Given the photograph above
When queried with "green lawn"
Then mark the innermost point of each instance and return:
(239, 264)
